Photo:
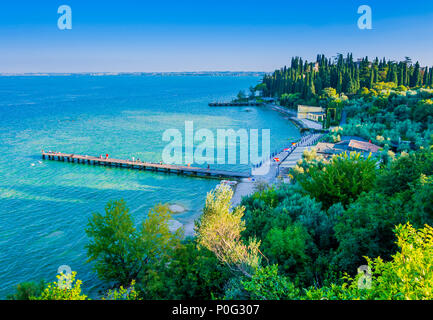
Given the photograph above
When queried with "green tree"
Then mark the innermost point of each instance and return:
(267, 284)
(340, 181)
(241, 96)
(113, 245)
(405, 171)
(407, 276)
(27, 290)
(195, 273)
(366, 229)
(120, 252)
(219, 230)
(288, 248)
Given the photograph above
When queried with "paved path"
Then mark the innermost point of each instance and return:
(270, 170)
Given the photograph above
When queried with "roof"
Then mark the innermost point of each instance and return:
(365, 146)
(340, 147)
(305, 109)
(324, 147)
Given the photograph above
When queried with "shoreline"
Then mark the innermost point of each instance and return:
(247, 186)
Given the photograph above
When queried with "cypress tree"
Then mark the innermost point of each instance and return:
(416, 76)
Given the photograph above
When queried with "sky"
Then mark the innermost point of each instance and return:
(207, 35)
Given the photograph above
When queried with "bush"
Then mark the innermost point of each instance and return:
(340, 181)
(27, 290)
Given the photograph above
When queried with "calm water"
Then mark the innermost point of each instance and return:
(45, 206)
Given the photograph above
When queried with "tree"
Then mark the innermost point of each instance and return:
(366, 229)
(113, 244)
(340, 181)
(219, 230)
(416, 76)
(27, 290)
(241, 96)
(120, 252)
(295, 232)
(405, 171)
(407, 276)
(288, 248)
(252, 92)
(422, 201)
(267, 284)
(194, 273)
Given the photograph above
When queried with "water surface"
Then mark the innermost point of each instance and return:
(45, 205)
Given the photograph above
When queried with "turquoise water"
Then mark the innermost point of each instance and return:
(45, 206)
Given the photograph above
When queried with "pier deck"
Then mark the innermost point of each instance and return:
(156, 167)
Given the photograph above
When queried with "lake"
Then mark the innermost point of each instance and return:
(45, 205)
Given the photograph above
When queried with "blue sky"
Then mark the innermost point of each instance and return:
(150, 36)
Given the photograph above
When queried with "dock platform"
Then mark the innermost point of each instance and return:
(139, 165)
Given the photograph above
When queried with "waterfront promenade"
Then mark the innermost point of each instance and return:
(270, 170)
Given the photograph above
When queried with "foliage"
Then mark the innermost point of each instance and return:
(340, 181)
(267, 284)
(407, 276)
(122, 293)
(219, 230)
(66, 288)
(195, 273)
(288, 248)
(27, 290)
(296, 233)
(325, 79)
(405, 171)
(113, 244)
(122, 253)
(401, 119)
(366, 229)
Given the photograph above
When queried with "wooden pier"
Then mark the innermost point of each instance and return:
(139, 165)
(235, 104)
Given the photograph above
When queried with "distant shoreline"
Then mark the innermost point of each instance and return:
(101, 74)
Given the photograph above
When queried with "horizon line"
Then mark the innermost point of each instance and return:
(126, 72)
